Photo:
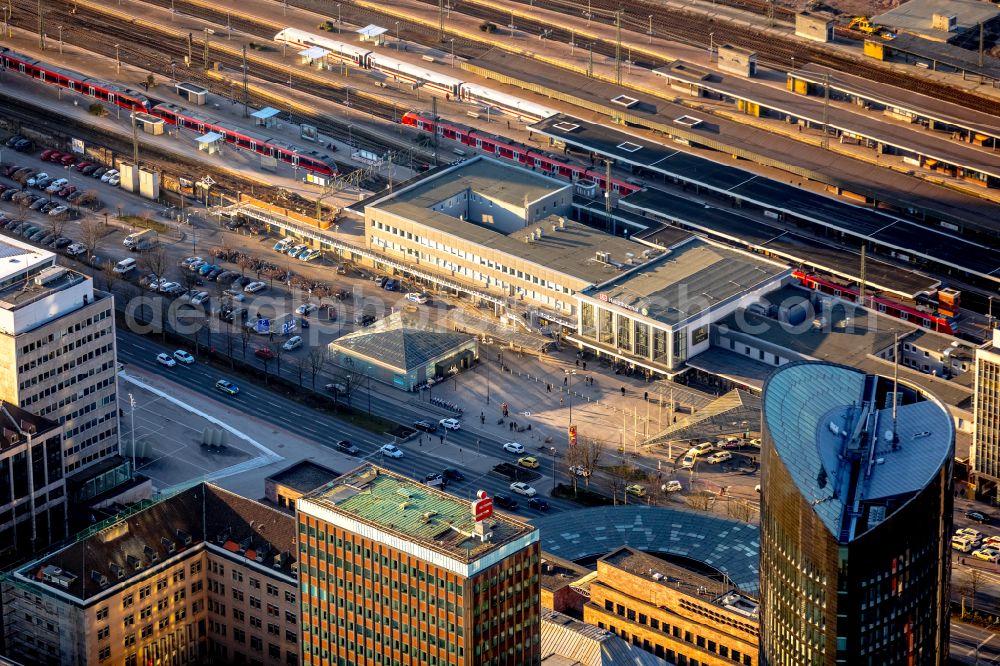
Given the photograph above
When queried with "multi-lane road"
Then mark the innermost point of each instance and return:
(420, 457)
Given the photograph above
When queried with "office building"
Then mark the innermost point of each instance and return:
(567, 641)
(856, 520)
(657, 316)
(285, 486)
(985, 456)
(501, 233)
(203, 577)
(32, 486)
(396, 573)
(672, 612)
(57, 338)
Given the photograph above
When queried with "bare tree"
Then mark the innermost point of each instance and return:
(245, 334)
(111, 278)
(244, 262)
(351, 381)
(591, 451)
(316, 360)
(56, 224)
(155, 261)
(971, 585)
(741, 510)
(701, 500)
(91, 233)
(575, 460)
(278, 351)
(298, 367)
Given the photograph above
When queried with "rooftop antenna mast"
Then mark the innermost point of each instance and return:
(895, 385)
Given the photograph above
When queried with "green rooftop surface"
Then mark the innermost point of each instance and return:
(421, 514)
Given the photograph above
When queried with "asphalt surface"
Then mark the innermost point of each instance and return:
(269, 406)
(974, 645)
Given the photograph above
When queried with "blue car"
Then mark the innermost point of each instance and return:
(206, 269)
(227, 387)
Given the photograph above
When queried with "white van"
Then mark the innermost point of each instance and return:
(961, 543)
(124, 266)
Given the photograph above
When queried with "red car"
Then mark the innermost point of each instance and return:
(66, 191)
(55, 156)
(67, 160)
(264, 353)
(46, 154)
(80, 166)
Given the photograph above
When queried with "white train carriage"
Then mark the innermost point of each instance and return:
(441, 83)
(510, 104)
(357, 55)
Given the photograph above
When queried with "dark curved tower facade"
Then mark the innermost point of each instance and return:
(856, 520)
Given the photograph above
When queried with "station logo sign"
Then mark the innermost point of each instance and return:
(482, 506)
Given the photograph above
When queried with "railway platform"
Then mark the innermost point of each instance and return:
(898, 238)
(243, 163)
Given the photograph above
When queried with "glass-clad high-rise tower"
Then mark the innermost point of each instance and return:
(856, 519)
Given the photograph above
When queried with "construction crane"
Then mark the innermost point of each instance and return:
(865, 25)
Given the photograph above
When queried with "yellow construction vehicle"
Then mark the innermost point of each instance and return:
(864, 24)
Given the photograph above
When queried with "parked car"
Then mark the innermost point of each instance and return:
(391, 450)
(310, 255)
(505, 502)
(306, 309)
(522, 488)
(530, 462)
(108, 175)
(184, 357)
(346, 447)
(165, 359)
(14, 139)
(977, 516)
(227, 387)
(67, 160)
(255, 287)
(721, 456)
(538, 503)
(453, 474)
(416, 297)
(988, 554)
(688, 461)
(33, 181)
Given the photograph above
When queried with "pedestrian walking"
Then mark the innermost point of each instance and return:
(645, 396)
(565, 381)
(578, 362)
(441, 438)
(562, 401)
(623, 391)
(584, 365)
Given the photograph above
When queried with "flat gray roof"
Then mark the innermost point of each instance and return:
(724, 544)
(571, 250)
(914, 16)
(693, 276)
(503, 182)
(824, 418)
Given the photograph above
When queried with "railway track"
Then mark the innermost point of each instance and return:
(99, 33)
(694, 29)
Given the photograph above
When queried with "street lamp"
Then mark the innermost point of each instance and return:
(398, 45)
(453, 52)
(131, 402)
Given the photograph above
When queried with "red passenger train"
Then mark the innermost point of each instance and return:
(126, 98)
(523, 155)
(908, 313)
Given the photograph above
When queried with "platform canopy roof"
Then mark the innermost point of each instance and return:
(371, 30)
(267, 112)
(211, 137)
(314, 53)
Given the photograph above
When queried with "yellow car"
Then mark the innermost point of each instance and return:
(636, 489)
(530, 462)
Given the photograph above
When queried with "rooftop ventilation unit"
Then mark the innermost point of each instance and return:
(183, 537)
(168, 545)
(99, 578)
(134, 562)
(150, 554)
(117, 571)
